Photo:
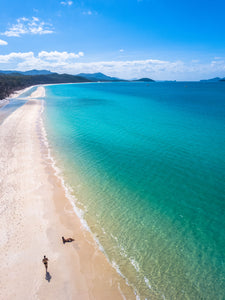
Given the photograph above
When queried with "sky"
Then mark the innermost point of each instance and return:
(159, 39)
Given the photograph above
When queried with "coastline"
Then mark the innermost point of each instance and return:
(15, 94)
(35, 213)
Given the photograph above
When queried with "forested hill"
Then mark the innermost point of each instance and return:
(16, 81)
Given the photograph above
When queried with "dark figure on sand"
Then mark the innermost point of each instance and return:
(69, 240)
(45, 262)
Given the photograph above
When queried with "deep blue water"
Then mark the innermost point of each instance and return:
(146, 165)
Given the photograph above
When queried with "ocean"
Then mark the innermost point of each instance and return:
(145, 166)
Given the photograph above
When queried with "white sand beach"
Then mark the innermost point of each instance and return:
(35, 214)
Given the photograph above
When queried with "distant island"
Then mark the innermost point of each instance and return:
(99, 77)
(145, 80)
(11, 81)
(216, 79)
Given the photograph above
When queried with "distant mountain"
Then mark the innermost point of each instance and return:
(31, 72)
(145, 80)
(37, 72)
(10, 72)
(99, 77)
(216, 79)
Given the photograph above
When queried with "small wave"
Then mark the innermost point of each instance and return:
(147, 283)
(123, 252)
(116, 267)
(135, 264)
(137, 296)
(114, 237)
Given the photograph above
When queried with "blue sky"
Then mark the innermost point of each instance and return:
(160, 39)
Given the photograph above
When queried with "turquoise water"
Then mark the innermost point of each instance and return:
(146, 165)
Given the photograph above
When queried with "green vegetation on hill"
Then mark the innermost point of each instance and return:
(145, 80)
(216, 79)
(12, 82)
(99, 77)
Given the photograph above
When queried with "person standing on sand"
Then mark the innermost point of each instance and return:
(45, 262)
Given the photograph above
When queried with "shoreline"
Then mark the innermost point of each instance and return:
(36, 213)
(15, 94)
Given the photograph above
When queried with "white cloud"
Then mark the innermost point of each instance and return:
(58, 56)
(217, 62)
(16, 55)
(69, 3)
(70, 62)
(28, 26)
(89, 12)
(121, 50)
(3, 43)
(44, 59)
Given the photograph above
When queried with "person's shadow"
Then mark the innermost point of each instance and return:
(48, 276)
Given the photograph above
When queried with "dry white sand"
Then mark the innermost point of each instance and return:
(34, 214)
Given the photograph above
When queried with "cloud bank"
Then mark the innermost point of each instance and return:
(70, 62)
(28, 26)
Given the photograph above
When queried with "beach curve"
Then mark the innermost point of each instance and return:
(35, 213)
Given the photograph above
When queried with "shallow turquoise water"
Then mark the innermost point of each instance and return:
(146, 165)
